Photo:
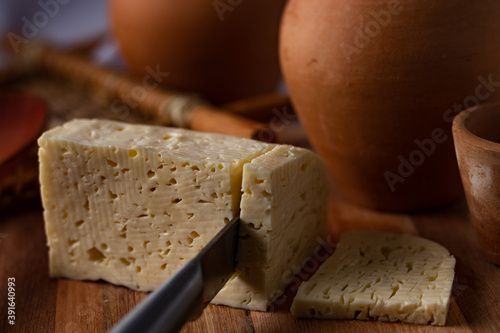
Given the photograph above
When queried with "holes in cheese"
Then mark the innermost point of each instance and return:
(140, 201)
(279, 227)
(376, 275)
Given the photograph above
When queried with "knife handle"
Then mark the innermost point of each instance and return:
(172, 304)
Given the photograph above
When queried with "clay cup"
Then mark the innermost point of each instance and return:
(476, 132)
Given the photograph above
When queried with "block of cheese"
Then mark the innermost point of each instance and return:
(130, 204)
(283, 214)
(382, 276)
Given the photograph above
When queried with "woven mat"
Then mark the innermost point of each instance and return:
(66, 102)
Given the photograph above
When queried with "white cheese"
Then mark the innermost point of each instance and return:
(283, 216)
(376, 275)
(130, 204)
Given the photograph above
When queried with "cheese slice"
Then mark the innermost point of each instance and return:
(130, 204)
(283, 214)
(377, 275)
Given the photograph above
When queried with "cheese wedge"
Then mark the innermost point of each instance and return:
(130, 204)
(283, 214)
(376, 275)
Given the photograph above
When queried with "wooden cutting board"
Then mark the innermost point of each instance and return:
(58, 305)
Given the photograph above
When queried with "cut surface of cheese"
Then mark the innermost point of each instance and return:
(381, 276)
(283, 218)
(130, 204)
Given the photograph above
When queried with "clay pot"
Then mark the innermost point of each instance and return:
(476, 133)
(224, 50)
(376, 85)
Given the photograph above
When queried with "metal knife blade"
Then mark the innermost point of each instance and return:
(185, 294)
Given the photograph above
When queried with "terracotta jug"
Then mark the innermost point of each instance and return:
(377, 83)
(223, 49)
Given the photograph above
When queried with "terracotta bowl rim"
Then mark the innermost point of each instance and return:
(460, 130)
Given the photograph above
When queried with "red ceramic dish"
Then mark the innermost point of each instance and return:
(22, 117)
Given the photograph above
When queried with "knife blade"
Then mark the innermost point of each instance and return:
(187, 292)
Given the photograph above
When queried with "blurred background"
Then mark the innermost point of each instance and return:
(64, 23)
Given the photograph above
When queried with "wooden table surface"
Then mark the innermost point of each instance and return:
(58, 305)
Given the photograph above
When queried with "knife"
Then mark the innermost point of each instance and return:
(187, 292)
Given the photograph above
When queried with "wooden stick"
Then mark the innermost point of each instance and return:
(260, 108)
(205, 118)
(168, 107)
